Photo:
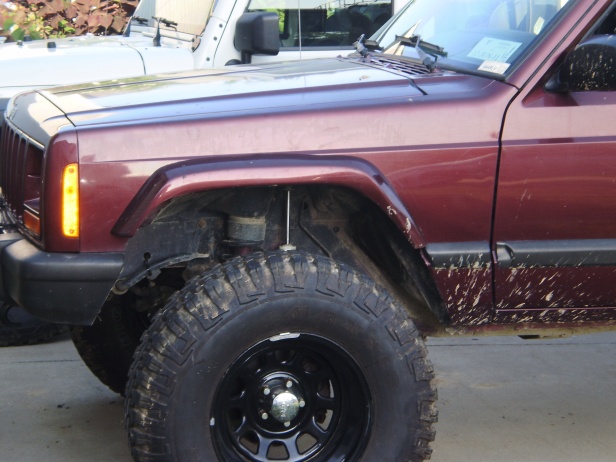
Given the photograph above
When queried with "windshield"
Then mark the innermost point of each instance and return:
(190, 15)
(478, 35)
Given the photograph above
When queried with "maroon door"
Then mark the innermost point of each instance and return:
(555, 223)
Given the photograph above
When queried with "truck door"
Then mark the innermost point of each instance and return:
(554, 235)
(314, 29)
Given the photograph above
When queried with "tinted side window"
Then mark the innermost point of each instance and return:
(608, 25)
(334, 24)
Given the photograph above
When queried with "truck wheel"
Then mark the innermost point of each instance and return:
(17, 327)
(107, 346)
(283, 356)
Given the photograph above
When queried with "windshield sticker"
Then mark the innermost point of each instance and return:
(538, 25)
(493, 67)
(491, 49)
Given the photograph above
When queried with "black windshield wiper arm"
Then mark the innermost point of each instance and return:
(416, 42)
(363, 46)
(139, 19)
(428, 52)
(167, 23)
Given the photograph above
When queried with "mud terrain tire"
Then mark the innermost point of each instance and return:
(281, 356)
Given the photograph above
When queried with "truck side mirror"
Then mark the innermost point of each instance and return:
(257, 33)
(591, 66)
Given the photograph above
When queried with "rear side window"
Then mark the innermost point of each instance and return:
(317, 24)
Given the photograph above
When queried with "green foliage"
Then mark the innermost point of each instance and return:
(60, 18)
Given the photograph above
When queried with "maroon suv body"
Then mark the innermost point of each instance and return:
(469, 169)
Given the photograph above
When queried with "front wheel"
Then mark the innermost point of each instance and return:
(283, 356)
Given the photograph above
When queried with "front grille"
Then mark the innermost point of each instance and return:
(21, 164)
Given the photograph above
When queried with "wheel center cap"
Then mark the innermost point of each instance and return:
(285, 407)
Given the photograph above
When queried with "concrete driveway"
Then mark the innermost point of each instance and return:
(500, 399)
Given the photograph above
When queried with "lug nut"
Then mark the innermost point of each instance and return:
(289, 384)
(264, 416)
(266, 391)
(287, 424)
(302, 403)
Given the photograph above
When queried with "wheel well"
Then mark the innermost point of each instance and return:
(197, 231)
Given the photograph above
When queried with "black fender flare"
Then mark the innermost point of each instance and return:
(214, 173)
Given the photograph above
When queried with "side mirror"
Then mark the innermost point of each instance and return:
(591, 66)
(257, 33)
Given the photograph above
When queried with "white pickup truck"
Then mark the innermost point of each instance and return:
(177, 35)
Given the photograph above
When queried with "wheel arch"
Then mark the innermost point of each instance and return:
(200, 175)
(387, 245)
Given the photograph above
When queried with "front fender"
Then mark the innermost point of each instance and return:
(199, 175)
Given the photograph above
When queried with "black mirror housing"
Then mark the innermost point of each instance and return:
(257, 33)
(591, 66)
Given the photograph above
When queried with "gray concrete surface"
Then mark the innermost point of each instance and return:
(500, 399)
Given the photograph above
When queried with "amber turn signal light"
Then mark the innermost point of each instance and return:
(32, 222)
(70, 201)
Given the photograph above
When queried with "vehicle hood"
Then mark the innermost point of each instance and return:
(312, 84)
(52, 62)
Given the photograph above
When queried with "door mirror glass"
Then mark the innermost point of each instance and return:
(591, 66)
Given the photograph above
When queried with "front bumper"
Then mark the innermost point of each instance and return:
(57, 287)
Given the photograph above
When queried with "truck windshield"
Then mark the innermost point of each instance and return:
(325, 23)
(190, 15)
(475, 35)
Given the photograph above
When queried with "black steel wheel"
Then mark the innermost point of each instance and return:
(291, 398)
(281, 356)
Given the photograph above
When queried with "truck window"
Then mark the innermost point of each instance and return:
(190, 15)
(608, 25)
(319, 23)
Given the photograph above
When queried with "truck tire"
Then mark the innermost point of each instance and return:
(107, 346)
(17, 327)
(282, 356)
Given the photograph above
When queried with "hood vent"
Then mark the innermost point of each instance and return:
(405, 66)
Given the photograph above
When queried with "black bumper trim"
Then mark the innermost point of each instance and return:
(58, 287)
(567, 253)
(458, 255)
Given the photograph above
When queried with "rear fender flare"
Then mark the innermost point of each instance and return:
(198, 175)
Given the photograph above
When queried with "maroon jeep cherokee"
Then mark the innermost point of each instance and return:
(285, 235)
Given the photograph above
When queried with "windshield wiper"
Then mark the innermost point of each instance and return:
(167, 23)
(363, 47)
(417, 42)
(139, 19)
(428, 52)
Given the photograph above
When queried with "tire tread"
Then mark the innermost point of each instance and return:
(203, 303)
